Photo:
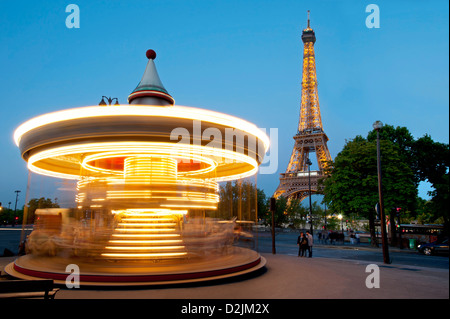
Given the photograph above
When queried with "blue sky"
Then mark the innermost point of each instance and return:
(242, 58)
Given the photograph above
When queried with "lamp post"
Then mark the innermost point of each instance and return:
(273, 204)
(377, 126)
(15, 208)
(109, 99)
(309, 163)
(342, 228)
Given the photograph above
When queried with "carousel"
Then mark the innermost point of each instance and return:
(149, 207)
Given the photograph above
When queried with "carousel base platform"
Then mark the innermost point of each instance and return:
(98, 272)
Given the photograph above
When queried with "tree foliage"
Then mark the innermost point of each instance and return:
(38, 203)
(433, 160)
(352, 183)
(352, 187)
(8, 216)
(238, 200)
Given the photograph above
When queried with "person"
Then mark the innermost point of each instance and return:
(326, 237)
(332, 236)
(299, 241)
(357, 237)
(302, 243)
(352, 238)
(310, 240)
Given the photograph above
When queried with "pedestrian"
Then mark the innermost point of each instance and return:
(352, 238)
(332, 237)
(299, 240)
(327, 237)
(310, 240)
(302, 243)
(357, 237)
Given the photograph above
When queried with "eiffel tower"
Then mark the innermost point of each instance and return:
(310, 137)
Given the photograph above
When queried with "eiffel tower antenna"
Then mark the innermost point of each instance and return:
(310, 137)
(308, 18)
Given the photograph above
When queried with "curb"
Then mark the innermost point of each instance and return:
(356, 247)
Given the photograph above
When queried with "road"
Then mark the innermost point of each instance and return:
(10, 239)
(286, 244)
(339, 273)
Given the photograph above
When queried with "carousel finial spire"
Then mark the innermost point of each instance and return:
(151, 91)
(151, 54)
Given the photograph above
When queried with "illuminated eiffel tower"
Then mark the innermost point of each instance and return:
(310, 136)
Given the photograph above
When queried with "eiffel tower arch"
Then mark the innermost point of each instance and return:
(310, 137)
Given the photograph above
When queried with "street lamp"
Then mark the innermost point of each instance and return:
(110, 100)
(340, 217)
(377, 126)
(309, 163)
(15, 208)
(273, 204)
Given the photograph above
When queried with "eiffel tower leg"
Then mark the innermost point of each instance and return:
(322, 153)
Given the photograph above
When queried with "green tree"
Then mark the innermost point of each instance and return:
(403, 140)
(38, 203)
(333, 223)
(280, 214)
(433, 159)
(319, 215)
(429, 161)
(262, 205)
(284, 213)
(8, 216)
(238, 200)
(296, 214)
(352, 183)
(440, 200)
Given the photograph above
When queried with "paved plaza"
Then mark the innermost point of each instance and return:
(291, 277)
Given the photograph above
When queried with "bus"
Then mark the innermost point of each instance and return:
(420, 233)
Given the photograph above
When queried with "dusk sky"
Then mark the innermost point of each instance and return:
(242, 58)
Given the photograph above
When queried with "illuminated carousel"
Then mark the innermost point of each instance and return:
(147, 191)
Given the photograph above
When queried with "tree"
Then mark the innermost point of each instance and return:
(403, 141)
(262, 205)
(429, 161)
(8, 216)
(351, 185)
(36, 203)
(287, 213)
(296, 214)
(241, 194)
(238, 200)
(440, 200)
(433, 160)
(280, 214)
(319, 214)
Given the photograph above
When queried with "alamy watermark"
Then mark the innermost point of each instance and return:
(73, 279)
(373, 279)
(73, 19)
(373, 19)
(204, 140)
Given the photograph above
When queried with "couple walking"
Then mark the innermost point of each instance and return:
(305, 243)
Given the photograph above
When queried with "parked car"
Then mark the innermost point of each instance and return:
(434, 248)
